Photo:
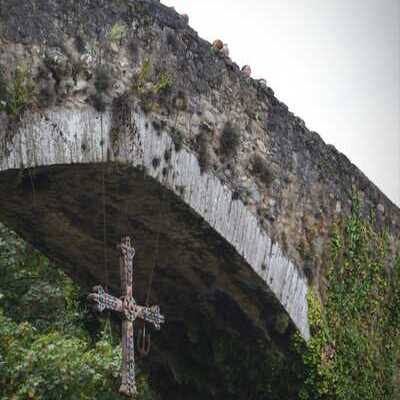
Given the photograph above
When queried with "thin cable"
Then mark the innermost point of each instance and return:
(157, 246)
(108, 321)
(104, 209)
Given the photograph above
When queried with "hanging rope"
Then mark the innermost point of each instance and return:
(103, 184)
(104, 208)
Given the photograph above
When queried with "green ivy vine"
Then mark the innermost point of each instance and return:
(354, 349)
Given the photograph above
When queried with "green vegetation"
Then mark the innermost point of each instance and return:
(138, 85)
(51, 347)
(355, 344)
(35, 364)
(149, 92)
(18, 94)
(164, 83)
(226, 365)
(117, 32)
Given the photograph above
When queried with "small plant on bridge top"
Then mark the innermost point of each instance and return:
(139, 85)
(148, 91)
(164, 83)
(18, 94)
(355, 345)
(117, 32)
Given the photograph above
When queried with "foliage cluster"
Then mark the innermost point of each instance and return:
(17, 94)
(51, 347)
(354, 349)
(258, 371)
(149, 91)
(219, 363)
(55, 365)
(117, 32)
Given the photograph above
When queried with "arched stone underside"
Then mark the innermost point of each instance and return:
(213, 261)
(70, 151)
(64, 168)
(54, 195)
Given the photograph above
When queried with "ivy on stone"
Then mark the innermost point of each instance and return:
(354, 349)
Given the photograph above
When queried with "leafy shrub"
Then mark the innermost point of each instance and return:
(48, 344)
(36, 364)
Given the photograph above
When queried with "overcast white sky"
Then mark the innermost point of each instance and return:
(335, 63)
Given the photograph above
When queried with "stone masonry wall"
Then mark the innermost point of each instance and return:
(142, 55)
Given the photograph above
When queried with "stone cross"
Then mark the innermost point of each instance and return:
(127, 306)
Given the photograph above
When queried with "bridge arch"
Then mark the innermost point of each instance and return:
(53, 173)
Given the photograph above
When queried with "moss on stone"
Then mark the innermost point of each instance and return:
(164, 83)
(230, 140)
(17, 94)
(152, 92)
(281, 323)
(177, 138)
(180, 101)
(156, 162)
(262, 170)
(203, 142)
(79, 43)
(117, 32)
(167, 155)
(354, 349)
(97, 101)
(102, 79)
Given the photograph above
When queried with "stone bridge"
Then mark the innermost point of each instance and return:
(118, 119)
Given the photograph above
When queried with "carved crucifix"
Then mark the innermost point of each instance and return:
(130, 311)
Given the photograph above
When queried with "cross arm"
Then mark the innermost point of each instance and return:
(103, 300)
(151, 314)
